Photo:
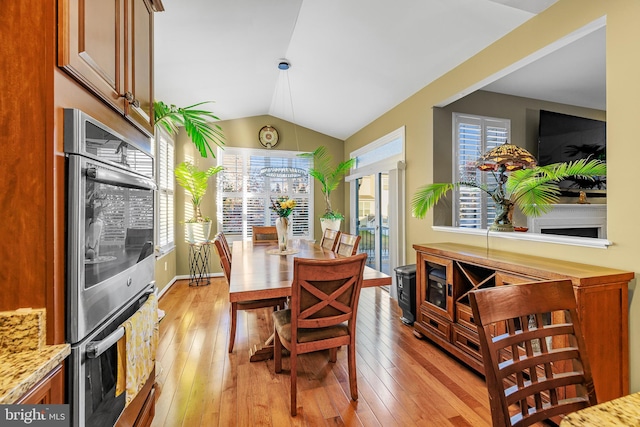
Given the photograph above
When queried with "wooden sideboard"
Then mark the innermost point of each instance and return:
(447, 272)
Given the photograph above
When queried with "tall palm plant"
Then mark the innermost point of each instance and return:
(533, 190)
(196, 183)
(196, 122)
(328, 175)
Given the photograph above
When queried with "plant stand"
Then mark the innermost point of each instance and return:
(199, 263)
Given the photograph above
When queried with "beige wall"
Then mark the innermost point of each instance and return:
(165, 270)
(623, 149)
(244, 133)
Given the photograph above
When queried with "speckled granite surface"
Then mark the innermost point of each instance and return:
(24, 357)
(624, 411)
(22, 370)
(22, 330)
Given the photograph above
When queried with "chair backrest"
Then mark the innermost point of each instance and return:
(224, 259)
(329, 239)
(348, 244)
(225, 244)
(264, 234)
(533, 351)
(325, 292)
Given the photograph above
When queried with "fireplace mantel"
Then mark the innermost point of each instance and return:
(572, 216)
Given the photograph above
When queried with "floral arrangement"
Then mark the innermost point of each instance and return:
(283, 206)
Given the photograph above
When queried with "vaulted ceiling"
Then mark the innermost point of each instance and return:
(351, 61)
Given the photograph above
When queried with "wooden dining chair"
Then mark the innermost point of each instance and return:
(329, 239)
(225, 263)
(264, 235)
(225, 244)
(322, 314)
(347, 244)
(533, 351)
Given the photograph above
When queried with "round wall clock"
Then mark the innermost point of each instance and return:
(268, 136)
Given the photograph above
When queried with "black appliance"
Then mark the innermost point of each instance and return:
(406, 284)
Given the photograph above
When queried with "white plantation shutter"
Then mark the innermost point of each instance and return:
(473, 136)
(244, 196)
(165, 160)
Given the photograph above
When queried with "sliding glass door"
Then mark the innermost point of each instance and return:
(372, 224)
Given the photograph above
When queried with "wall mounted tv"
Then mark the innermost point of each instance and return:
(564, 138)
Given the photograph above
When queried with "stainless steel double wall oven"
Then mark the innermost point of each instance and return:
(110, 257)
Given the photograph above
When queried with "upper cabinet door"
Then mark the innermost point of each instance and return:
(139, 63)
(91, 46)
(107, 45)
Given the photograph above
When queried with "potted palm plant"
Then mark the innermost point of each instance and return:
(534, 190)
(329, 177)
(196, 183)
(196, 122)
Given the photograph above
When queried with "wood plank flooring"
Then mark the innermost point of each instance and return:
(402, 380)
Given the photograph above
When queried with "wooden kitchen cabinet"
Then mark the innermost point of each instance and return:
(107, 45)
(447, 272)
(48, 391)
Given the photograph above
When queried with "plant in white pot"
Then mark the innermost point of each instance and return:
(196, 183)
(329, 177)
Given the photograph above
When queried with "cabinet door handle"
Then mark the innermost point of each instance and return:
(128, 96)
(449, 289)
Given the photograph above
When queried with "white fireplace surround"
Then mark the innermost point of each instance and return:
(572, 216)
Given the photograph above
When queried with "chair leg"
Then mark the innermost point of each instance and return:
(277, 353)
(232, 332)
(353, 384)
(333, 354)
(293, 361)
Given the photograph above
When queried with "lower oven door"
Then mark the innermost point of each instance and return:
(94, 371)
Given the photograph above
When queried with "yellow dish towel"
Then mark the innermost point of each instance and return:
(137, 349)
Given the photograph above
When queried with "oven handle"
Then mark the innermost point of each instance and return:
(112, 177)
(96, 348)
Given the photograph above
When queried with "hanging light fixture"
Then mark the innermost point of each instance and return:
(285, 171)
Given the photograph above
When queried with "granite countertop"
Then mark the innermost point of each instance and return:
(25, 358)
(623, 411)
(22, 370)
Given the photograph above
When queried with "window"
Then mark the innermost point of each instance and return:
(244, 196)
(164, 161)
(473, 136)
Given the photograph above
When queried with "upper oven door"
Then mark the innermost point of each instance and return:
(110, 247)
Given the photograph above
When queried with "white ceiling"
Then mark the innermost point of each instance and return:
(351, 61)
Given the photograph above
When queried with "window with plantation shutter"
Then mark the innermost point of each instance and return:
(244, 196)
(164, 160)
(473, 136)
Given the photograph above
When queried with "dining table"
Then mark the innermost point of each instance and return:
(261, 271)
(623, 411)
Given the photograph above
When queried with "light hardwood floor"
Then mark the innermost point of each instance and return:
(402, 380)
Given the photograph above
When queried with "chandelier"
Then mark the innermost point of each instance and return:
(285, 171)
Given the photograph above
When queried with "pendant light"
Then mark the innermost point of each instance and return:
(285, 171)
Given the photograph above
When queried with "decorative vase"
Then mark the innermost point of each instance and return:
(283, 226)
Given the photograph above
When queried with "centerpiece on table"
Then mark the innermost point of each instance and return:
(283, 206)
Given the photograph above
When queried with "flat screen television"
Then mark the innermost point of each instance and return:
(565, 138)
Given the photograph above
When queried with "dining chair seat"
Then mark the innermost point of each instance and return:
(282, 320)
